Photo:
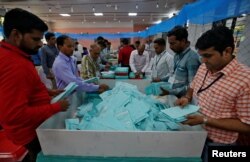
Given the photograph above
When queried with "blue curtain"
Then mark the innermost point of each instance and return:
(200, 12)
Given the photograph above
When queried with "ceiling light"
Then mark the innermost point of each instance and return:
(132, 14)
(116, 8)
(136, 6)
(50, 10)
(244, 15)
(166, 4)
(93, 9)
(71, 9)
(108, 5)
(157, 22)
(66, 15)
(98, 14)
(157, 5)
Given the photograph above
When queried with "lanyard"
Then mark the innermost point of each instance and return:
(178, 62)
(203, 89)
(157, 61)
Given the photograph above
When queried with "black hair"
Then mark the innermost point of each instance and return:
(160, 41)
(137, 42)
(48, 35)
(125, 41)
(99, 38)
(179, 32)
(220, 38)
(23, 21)
(102, 43)
(60, 40)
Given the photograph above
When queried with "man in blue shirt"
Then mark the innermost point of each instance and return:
(48, 54)
(65, 68)
(186, 61)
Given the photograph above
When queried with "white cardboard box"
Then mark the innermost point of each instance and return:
(56, 140)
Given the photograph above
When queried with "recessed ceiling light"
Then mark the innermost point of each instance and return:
(98, 14)
(66, 15)
(158, 22)
(132, 14)
(244, 15)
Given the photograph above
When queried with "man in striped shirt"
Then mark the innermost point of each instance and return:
(222, 90)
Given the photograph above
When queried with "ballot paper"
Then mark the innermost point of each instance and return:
(92, 80)
(178, 114)
(155, 88)
(67, 91)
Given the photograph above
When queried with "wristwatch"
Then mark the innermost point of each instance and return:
(205, 120)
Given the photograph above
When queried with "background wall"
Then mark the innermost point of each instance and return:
(98, 28)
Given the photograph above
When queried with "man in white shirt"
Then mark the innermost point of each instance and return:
(162, 66)
(139, 61)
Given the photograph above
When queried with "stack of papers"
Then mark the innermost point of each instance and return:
(121, 70)
(67, 91)
(132, 76)
(108, 74)
(155, 88)
(92, 80)
(178, 114)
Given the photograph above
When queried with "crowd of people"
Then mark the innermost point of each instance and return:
(212, 77)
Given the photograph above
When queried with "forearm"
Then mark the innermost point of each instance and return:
(229, 124)
(180, 91)
(189, 94)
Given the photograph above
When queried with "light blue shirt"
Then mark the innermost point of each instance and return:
(65, 71)
(186, 65)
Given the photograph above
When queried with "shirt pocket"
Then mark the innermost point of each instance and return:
(181, 73)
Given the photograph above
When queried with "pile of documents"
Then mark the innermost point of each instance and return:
(121, 73)
(178, 114)
(155, 88)
(122, 108)
(108, 74)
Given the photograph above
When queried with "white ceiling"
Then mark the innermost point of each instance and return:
(115, 11)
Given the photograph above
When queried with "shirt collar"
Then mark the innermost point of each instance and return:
(15, 49)
(63, 56)
(183, 52)
(163, 52)
(228, 69)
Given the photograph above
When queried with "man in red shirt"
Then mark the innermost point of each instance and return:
(124, 53)
(25, 102)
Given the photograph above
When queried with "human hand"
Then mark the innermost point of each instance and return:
(164, 92)
(103, 87)
(137, 75)
(107, 66)
(50, 76)
(64, 104)
(183, 101)
(194, 120)
(156, 80)
(55, 92)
